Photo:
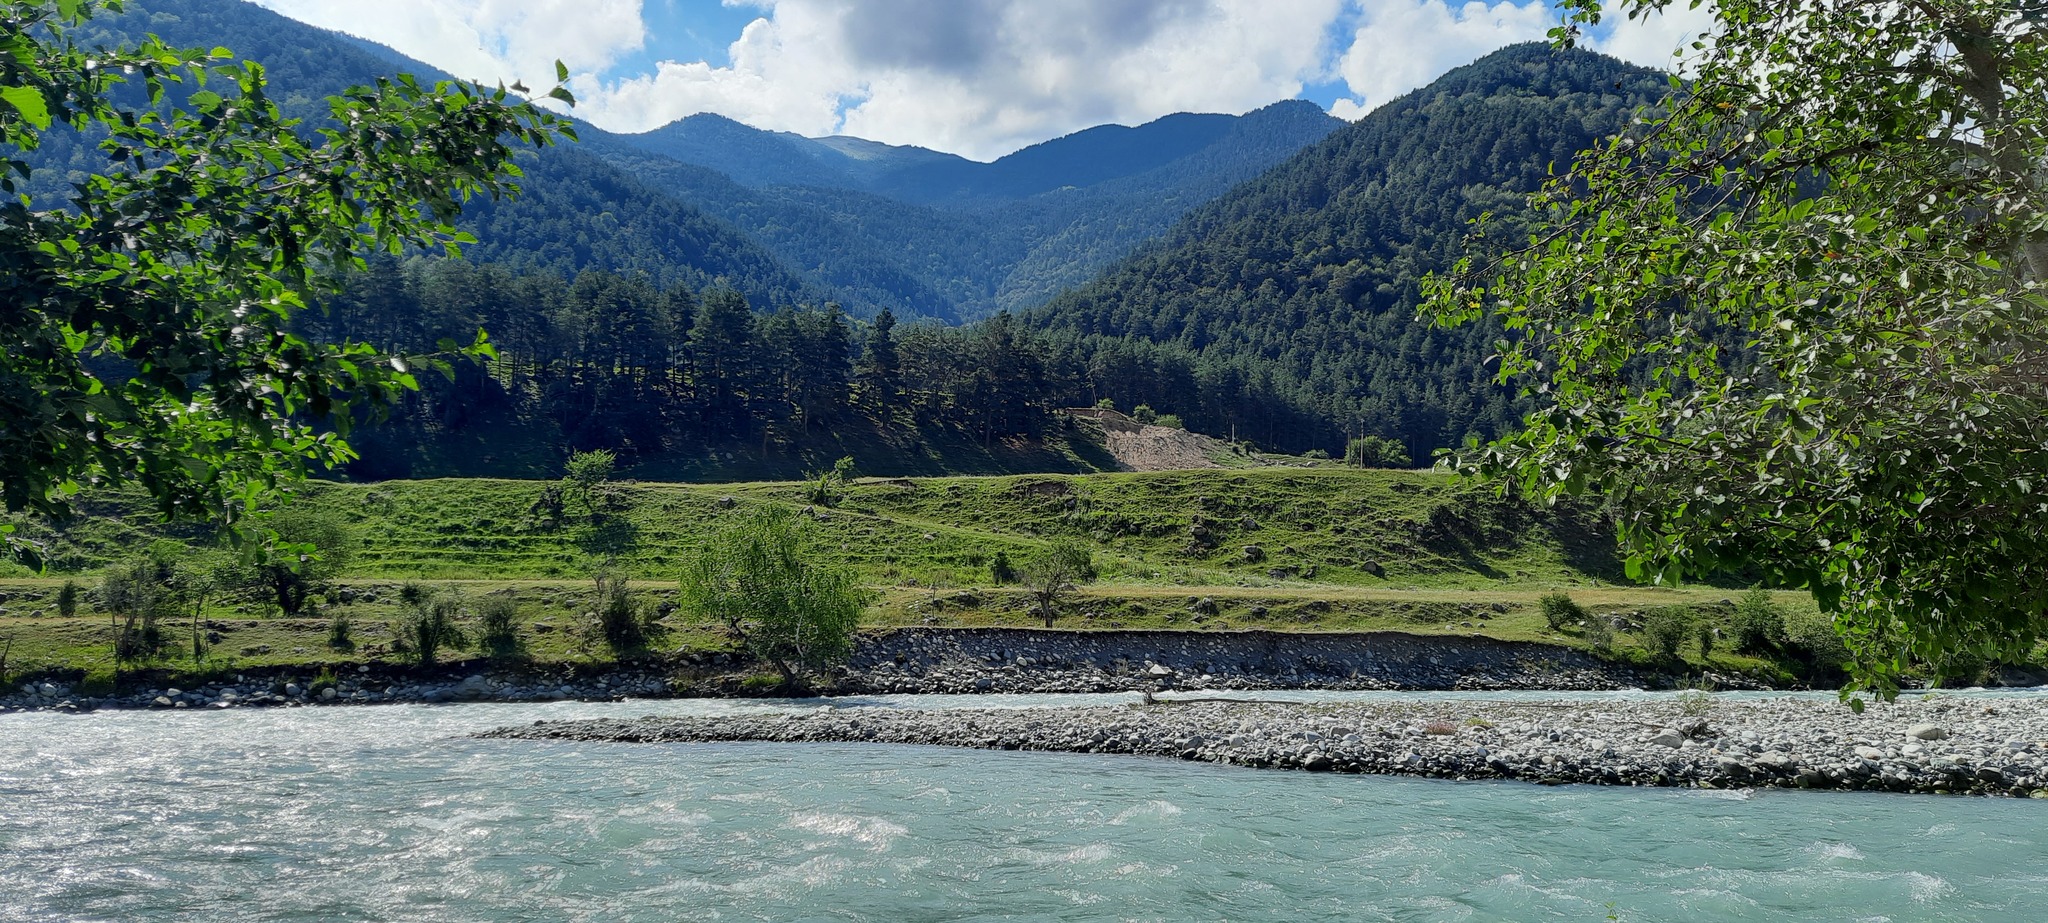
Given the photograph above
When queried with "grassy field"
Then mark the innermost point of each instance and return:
(1331, 526)
(1281, 548)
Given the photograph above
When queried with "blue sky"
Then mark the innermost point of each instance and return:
(975, 77)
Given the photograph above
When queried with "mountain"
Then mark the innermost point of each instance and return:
(755, 157)
(927, 234)
(759, 158)
(1282, 312)
(1294, 296)
(1261, 275)
(576, 212)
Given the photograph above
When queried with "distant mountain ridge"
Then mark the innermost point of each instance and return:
(761, 158)
(928, 234)
(783, 219)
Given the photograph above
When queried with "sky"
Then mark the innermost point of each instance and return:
(979, 78)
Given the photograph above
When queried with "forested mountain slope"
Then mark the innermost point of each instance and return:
(1302, 284)
(926, 234)
(784, 219)
(577, 212)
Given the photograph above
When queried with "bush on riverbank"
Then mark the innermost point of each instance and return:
(1759, 624)
(1559, 611)
(755, 581)
(1665, 630)
(430, 626)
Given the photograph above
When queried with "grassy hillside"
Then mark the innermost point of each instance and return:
(1277, 548)
(1328, 526)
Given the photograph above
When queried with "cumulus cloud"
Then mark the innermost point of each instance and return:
(976, 77)
(487, 40)
(984, 77)
(1399, 45)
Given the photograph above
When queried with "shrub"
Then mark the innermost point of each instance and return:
(1706, 640)
(1000, 570)
(1599, 633)
(589, 470)
(67, 599)
(761, 682)
(306, 549)
(1376, 452)
(1171, 421)
(1317, 454)
(1559, 610)
(1107, 403)
(1054, 574)
(825, 486)
(1759, 624)
(341, 633)
(498, 627)
(1666, 631)
(140, 594)
(1144, 413)
(1813, 635)
(618, 622)
(753, 579)
(430, 625)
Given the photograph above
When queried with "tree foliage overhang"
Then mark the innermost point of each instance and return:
(1793, 322)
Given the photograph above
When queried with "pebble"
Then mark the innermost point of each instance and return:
(1749, 743)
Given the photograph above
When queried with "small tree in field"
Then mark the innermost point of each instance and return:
(587, 482)
(1376, 452)
(753, 580)
(430, 625)
(1054, 574)
(307, 549)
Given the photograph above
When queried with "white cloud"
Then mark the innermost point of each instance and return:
(984, 77)
(977, 77)
(1402, 44)
(1399, 45)
(1650, 41)
(487, 40)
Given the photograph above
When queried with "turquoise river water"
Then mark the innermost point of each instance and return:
(386, 813)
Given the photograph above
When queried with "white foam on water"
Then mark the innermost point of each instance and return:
(1150, 810)
(1087, 854)
(1836, 851)
(1925, 888)
(873, 832)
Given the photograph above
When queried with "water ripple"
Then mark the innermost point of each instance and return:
(378, 814)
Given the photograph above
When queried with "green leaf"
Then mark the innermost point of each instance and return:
(29, 102)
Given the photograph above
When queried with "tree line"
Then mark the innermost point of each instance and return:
(616, 361)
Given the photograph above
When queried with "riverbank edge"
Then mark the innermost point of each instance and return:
(1774, 743)
(933, 661)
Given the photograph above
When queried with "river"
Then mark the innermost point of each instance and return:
(387, 813)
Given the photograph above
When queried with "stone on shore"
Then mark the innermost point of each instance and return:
(1793, 742)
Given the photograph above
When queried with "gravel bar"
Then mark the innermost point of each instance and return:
(1923, 744)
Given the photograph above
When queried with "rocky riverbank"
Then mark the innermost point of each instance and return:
(936, 661)
(1930, 743)
(366, 687)
(966, 660)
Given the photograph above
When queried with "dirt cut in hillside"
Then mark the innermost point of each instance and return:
(1149, 447)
